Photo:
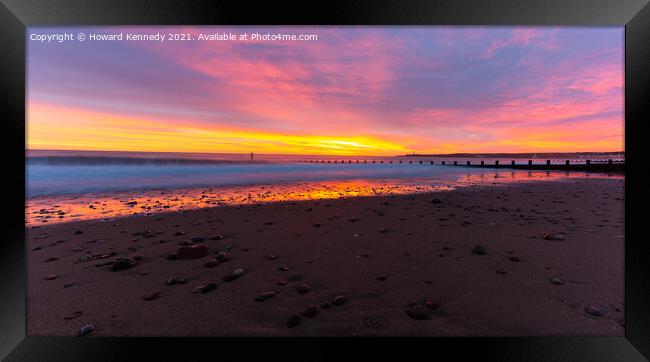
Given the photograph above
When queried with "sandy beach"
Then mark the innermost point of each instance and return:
(535, 258)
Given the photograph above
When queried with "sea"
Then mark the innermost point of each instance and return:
(52, 173)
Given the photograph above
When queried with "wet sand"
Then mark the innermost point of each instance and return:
(61, 208)
(552, 265)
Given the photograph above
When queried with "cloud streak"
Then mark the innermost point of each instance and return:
(355, 90)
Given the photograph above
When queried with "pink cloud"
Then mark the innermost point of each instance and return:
(521, 37)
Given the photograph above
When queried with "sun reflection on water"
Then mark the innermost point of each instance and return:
(66, 208)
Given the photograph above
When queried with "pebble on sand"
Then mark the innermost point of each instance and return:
(339, 300)
(192, 252)
(557, 281)
(86, 330)
(270, 257)
(436, 200)
(222, 256)
(217, 237)
(51, 277)
(293, 321)
(234, 275)
(152, 295)
(211, 263)
(325, 304)
(594, 311)
(124, 263)
(205, 288)
(238, 272)
(174, 281)
(383, 230)
(264, 296)
(382, 277)
(553, 236)
(478, 249)
(303, 288)
(417, 311)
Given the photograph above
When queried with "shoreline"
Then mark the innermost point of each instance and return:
(343, 246)
(107, 205)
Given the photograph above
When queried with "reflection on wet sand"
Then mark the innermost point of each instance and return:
(90, 206)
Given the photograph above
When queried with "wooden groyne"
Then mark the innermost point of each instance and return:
(586, 166)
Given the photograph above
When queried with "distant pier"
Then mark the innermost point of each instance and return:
(567, 165)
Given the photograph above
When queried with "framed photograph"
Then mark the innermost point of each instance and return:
(279, 180)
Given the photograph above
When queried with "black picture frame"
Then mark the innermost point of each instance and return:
(16, 15)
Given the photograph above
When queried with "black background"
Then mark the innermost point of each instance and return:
(16, 14)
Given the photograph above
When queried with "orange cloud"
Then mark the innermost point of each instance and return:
(53, 127)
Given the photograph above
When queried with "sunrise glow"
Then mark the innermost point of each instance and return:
(354, 91)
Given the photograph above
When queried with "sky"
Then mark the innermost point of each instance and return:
(353, 91)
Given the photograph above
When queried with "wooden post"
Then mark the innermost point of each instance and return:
(567, 162)
(468, 163)
(420, 162)
(382, 161)
(530, 162)
(431, 162)
(482, 163)
(512, 162)
(391, 161)
(455, 163)
(496, 162)
(610, 161)
(410, 161)
(548, 162)
(373, 161)
(443, 162)
(365, 161)
(588, 162)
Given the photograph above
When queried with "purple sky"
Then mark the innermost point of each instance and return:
(355, 90)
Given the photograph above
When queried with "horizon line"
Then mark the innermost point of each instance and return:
(337, 155)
